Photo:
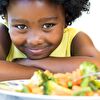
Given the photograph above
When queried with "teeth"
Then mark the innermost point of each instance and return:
(36, 50)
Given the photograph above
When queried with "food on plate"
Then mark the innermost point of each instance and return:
(81, 82)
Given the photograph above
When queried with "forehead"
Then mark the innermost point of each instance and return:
(41, 2)
(34, 7)
(33, 4)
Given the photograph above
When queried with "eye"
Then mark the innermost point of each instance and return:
(21, 27)
(48, 26)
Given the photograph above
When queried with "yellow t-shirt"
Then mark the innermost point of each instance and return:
(63, 50)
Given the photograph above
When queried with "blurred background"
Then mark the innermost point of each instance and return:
(89, 23)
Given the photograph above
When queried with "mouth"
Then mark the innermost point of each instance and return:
(36, 51)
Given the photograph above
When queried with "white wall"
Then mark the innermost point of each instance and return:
(90, 22)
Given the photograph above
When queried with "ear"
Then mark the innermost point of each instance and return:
(66, 25)
(4, 18)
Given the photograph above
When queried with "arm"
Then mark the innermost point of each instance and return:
(13, 71)
(82, 50)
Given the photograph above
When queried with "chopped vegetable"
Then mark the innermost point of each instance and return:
(87, 68)
(62, 84)
(39, 78)
(82, 92)
(25, 89)
(65, 83)
(97, 83)
(52, 88)
(70, 84)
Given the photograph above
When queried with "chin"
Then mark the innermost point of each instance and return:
(37, 57)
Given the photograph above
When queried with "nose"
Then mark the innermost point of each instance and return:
(35, 39)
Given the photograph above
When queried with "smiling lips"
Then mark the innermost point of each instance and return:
(37, 51)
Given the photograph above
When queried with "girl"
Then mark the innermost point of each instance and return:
(38, 38)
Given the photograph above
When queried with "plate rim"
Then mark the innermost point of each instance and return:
(45, 97)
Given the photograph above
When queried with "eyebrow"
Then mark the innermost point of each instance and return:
(19, 20)
(40, 20)
(48, 18)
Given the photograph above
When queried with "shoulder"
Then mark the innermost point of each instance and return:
(81, 39)
(82, 36)
(82, 45)
(5, 41)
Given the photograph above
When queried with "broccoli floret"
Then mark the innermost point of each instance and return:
(38, 78)
(49, 75)
(52, 88)
(88, 67)
(97, 83)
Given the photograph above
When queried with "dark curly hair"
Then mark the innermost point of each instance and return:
(73, 8)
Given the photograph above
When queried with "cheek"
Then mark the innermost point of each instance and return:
(56, 37)
(58, 33)
(17, 39)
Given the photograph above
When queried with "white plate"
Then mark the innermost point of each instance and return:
(6, 94)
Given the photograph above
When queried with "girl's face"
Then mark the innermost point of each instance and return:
(35, 26)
